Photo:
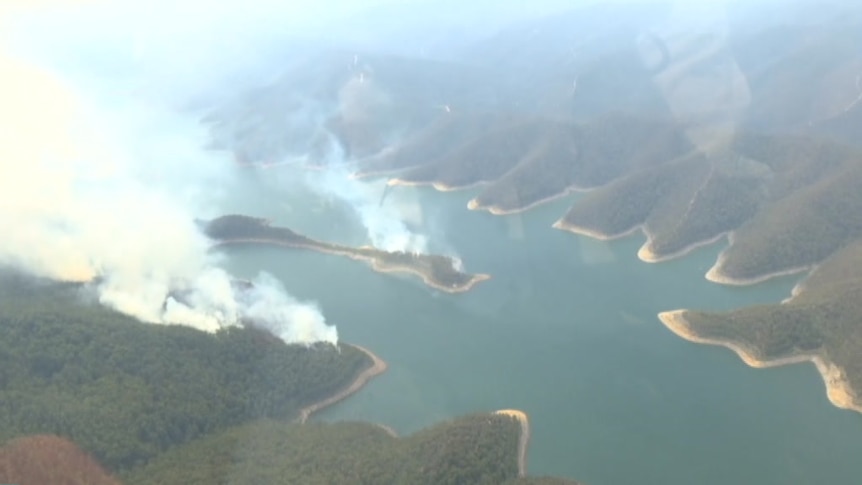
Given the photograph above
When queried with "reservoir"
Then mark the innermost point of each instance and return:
(565, 330)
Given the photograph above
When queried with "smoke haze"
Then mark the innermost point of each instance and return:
(102, 170)
(102, 186)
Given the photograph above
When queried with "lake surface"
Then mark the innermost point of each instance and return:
(566, 331)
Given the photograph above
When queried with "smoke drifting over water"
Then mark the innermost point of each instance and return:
(384, 223)
(100, 186)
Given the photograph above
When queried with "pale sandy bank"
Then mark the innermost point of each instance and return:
(474, 204)
(378, 367)
(523, 440)
(838, 390)
(646, 252)
(716, 272)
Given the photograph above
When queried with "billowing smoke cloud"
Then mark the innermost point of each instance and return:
(99, 186)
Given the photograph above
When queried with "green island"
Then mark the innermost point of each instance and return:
(90, 396)
(818, 323)
(437, 271)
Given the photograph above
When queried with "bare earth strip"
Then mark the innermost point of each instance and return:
(377, 368)
(838, 390)
(523, 439)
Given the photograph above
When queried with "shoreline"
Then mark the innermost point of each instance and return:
(476, 278)
(838, 390)
(564, 225)
(474, 205)
(523, 438)
(375, 263)
(715, 275)
(438, 186)
(378, 366)
(645, 254)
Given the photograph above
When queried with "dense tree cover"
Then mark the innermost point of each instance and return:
(546, 171)
(790, 200)
(800, 229)
(617, 144)
(728, 194)
(435, 141)
(49, 460)
(824, 318)
(587, 154)
(796, 162)
(629, 201)
(488, 156)
(126, 391)
(476, 449)
(235, 226)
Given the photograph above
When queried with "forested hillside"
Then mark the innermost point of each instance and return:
(758, 113)
(126, 391)
(477, 449)
(823, 319)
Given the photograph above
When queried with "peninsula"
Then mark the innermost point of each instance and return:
(437, 271)
(818, 323)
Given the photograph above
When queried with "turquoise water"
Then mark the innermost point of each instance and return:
(566, 331)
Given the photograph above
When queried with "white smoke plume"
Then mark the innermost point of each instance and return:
(384, 224)
(99, 186)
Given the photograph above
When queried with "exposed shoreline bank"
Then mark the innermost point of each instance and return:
(645, 253)
(378, 366)
(523, 438)
(474, 204)
(838, 390)
(438, 186)
(375, 262)
(475, 279)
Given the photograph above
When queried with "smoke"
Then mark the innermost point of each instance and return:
(101, 186)
(385, 224)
